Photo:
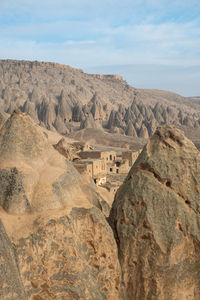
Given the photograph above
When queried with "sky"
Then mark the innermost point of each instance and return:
(151, 43)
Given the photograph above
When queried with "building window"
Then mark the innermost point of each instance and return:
(117, 171)
(110, 156)
(111, 169)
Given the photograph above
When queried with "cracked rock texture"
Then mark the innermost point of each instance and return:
(11, 286)
(156, 220)
(71, 257)
(33, 175)
(57, 243)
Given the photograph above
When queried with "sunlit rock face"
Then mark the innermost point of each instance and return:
(156, 220)
(56, 243)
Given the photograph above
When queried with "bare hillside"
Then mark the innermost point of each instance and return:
(67, 100)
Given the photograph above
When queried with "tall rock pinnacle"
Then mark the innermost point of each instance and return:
(156, 220)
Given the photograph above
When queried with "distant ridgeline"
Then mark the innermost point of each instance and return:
(65, 99)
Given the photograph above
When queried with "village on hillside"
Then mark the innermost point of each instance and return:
(107, 168)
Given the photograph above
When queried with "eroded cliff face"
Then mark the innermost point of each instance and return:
(156, 220)
(57, 243)
(70, 257)
(64, 99)
(36, 177)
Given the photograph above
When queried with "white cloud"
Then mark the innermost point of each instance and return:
(85, 33)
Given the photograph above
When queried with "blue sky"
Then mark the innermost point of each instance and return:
(153, 44)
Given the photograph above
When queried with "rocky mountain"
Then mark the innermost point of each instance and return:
(54, 218)
(58, 239)
(64, 99)
(156, 220)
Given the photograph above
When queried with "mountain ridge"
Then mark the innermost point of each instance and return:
(67, 100)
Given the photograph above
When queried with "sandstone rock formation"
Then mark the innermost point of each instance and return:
(58, 243)
(32, 172)
(156, 220)
(3, 118)
(73, 256)
(55, 241)
(11, 286)
(70, 150)
(64, 99)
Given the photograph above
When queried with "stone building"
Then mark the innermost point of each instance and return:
(105, 155)
(130, 156)
(122, 166)
(96, 168)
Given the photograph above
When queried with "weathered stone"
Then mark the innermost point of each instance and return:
(156, 220)
(85, 266)
(11, 286)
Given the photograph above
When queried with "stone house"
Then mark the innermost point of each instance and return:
(131, 156)
(105, 155)
(122, 166)
(96, 168)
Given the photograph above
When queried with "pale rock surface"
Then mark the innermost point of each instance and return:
(72, 256)
(156, 220)
(40, 177)
(3, 117)
(57, 243)
(11, 286)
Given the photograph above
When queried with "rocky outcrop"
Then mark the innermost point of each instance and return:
(3, 118)
(60, 126)
(46, 113)
(64, 109)
(57, 97)
(58, 243)
(88, 122)
(70, 151)
(30, 109)
(77, 114)
(11, 286)
(71, 257)
(12, 195)
(33, 175)
(156, 220)
(130, 130)
(143, 132)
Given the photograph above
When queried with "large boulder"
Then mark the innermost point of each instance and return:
(156, 220)
(33, 175)
(57, 243)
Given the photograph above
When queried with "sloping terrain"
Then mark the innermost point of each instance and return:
(53, 216)
(64, 99)
(156, 220)
(56, 242)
